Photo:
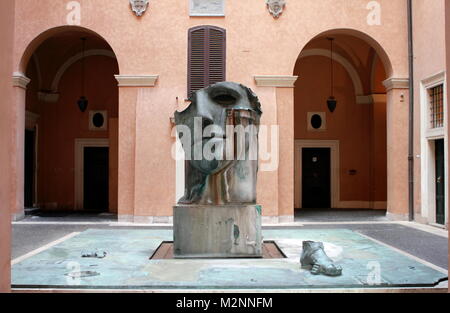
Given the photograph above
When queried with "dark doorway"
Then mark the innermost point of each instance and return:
(96, 179)
(30, 141)
(440, 182)
(316, 178)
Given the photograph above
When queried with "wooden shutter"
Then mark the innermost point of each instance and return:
(207, 54)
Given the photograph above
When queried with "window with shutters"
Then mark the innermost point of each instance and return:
(207, 57)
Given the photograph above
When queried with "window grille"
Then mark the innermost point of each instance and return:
(436, 95)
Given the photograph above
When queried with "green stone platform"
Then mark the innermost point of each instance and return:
(127, 264)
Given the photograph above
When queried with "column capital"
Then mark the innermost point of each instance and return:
(137, 80)
(284, 81)
(20, 80)
(396, 83)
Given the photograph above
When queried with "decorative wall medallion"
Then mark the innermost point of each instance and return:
(139, 6)
(207, 8)
(276, 7)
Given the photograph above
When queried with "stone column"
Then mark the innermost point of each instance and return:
(20, 82)
(284, 89)
(397, 147)
(377, 149)
(129, 86)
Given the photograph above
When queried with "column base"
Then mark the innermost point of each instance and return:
(397, 217)
(16, 217)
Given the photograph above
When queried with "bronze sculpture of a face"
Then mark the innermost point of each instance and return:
(219, 134)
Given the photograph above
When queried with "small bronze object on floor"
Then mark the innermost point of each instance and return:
(314, 255)
(94, 254)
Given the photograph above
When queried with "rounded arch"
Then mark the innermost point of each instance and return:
(34, 44)
(361, 35)
(353, 73)
(77, 57)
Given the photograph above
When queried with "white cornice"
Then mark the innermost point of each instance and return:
(275, 81)
(20, 80)
(396, 83)
(137, 80)
(434, 79)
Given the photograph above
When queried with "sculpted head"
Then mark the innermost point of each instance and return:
(207, 130)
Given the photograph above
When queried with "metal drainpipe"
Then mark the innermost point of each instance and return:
(411, 112)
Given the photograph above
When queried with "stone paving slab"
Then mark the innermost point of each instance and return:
(127, 264)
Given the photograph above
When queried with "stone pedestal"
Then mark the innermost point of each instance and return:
(229, 231)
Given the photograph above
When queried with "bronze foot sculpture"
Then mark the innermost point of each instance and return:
(314, 255)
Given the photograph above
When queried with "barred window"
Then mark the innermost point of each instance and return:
(436, 95)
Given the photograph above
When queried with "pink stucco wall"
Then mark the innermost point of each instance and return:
(6, 33)
(430, 59)
(257, 44)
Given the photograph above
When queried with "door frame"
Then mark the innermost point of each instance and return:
(435, 183)
(80, 144)
(429, 180)
(333, 145)
(427, 156)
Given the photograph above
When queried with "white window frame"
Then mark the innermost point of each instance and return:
(428, 137)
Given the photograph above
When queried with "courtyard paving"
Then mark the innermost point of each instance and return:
(407, 255)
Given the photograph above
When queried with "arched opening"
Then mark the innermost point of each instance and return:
(70, 155)
(341, 156)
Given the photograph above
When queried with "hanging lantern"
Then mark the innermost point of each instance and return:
(83, 101)
(332, 102)
(83, 104)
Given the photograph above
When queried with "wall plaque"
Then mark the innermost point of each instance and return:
(207, 7)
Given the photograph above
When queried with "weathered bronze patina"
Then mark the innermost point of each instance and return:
(218, 217)
(314, 256)
(223, 118)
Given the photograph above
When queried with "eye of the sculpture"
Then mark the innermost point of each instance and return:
(224, 96)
